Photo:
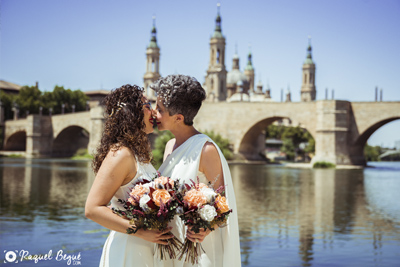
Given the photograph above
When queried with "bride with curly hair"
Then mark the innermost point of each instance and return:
(122, 159)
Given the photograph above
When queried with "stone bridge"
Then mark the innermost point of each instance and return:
(340, 128)
(57, 135)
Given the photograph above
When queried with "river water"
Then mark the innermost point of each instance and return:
(287, 216)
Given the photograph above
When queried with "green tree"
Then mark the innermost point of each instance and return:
(289, 148)
(60, 96)
(371, 153)
(292, 137)
(274, 131)
(296, 134)
(159, 147)
(7, 101)
(28, 99)
(310, 148)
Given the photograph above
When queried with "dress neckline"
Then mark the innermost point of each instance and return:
(182, 145)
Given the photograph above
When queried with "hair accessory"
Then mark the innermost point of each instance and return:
(120, 105)
(165, 95)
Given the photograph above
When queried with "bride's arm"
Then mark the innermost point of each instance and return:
(117, 168)
(210, 165)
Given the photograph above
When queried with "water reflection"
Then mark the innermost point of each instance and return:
(313, 210)
(287, 217)
(56, 189)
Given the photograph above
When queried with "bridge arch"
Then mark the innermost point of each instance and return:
(16, 142)
(357, 148)
(69, 140)
(364, 136)
(252, 142)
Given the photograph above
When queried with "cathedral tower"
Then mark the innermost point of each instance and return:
(152, 63)
(215, 82)
(249, 72)
(308, 91)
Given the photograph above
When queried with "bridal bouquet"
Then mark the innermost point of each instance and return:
(203, 208)
(152, 205)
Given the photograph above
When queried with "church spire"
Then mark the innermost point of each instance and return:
(218, 29)
(153, 39)
(309, 49)
(249, 71)
(215, 83)
(308, 89)
(152, 63)
(249, 64)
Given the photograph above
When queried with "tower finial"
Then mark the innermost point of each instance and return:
(218, 30)
(153, 39)
(309, 49)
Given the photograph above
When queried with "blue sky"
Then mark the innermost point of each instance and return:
(100, 44)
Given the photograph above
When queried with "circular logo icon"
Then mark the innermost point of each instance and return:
(11, 256)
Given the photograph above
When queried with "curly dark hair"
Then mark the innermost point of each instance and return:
(124, 125)
(180, 94)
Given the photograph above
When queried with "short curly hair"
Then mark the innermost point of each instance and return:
(180, 94)
(124, 125)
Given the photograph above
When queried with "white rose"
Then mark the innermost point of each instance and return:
(208, 213)
(208, 193)
(143, 202)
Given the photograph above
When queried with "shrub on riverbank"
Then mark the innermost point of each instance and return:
(323, 165)
(82, 153)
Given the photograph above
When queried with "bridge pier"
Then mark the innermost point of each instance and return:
(333, 138)
(39, 136)
(96, 128)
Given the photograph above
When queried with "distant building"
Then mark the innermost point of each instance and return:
(230, 86)
(96, 97)
(397, 144)
(273, 149)
(9, 87)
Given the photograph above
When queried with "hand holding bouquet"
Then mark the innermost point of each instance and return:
(203, 208)
(151, 206)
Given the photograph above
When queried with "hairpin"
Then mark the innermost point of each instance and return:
(120, 105)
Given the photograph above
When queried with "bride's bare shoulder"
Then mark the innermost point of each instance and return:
(169, 147)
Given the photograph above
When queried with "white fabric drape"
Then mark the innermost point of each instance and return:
(222, 245)
(125, 250)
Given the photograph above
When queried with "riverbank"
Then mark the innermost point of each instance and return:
(295, 165)
(309, 166)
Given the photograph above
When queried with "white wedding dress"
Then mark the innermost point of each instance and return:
(221, 246)
(123, 250)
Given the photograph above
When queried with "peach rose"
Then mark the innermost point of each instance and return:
(164, 180)
(139, 191)
(201, 185)
(195, 198)
(221, 204)
(132, 201)
(161, 194)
